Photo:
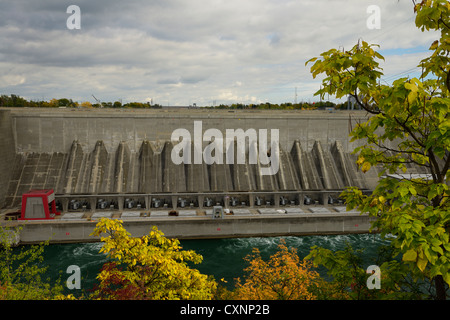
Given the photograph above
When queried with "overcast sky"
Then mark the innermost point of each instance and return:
(192, 51)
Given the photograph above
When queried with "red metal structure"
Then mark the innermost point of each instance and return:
(38, 205)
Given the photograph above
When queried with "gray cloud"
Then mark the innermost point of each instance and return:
(181, 51)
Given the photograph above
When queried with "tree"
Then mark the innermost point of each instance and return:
(86, 104)
(21, 271)
(149, 267)
(408, 125)
(64, 102)
(54, 103)
(349, 277)
(283, 277)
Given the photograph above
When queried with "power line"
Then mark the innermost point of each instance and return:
(406, 72)
(391, 28)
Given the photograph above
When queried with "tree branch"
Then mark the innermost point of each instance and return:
(437, 178)
(447, 165)
(443, 22)
(447, 82)
(364, 106)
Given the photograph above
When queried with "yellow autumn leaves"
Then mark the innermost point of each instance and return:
(364, 165)
(283, 277)
(148, 267)
(155, 267)
(420, 259)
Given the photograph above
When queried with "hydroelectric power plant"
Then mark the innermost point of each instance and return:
(119, 164)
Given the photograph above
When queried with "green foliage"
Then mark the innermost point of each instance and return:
(282, 106)
(15, 101)
(12, 101)
(409, 124)
(20, 271)
(345, 268)
(349, 276)
(140, 105)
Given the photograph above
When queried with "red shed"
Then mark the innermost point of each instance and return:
(38, 205)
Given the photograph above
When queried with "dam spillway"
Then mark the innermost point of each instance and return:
(101, 153)
(150, 171)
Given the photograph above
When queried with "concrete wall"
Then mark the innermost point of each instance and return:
(198, 228)
(79, 151)
(54, 130)
(7, 153)
(110, 152)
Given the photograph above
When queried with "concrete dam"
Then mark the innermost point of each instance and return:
(127, 152)
(118, 164)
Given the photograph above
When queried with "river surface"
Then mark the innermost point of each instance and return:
(222, 258)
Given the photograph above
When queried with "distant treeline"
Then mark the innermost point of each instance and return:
(284, 106)
(14, 101)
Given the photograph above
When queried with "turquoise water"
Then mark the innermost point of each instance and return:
(222, 258)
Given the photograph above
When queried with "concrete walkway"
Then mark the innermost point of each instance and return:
(199, 224)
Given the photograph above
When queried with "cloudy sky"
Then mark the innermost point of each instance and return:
(180, 52)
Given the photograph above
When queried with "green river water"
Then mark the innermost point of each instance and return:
(222, 258)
